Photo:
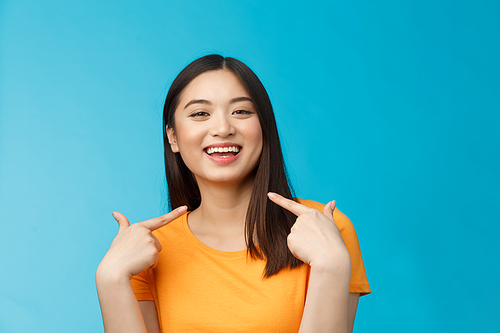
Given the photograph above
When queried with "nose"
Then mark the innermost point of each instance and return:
(222, 126)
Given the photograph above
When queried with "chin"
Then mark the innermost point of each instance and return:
(229, 179)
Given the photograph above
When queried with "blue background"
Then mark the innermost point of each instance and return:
(389, 107)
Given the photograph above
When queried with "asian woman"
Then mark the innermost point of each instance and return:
(238, 253)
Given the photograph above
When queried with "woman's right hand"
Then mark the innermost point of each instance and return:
(135, 248)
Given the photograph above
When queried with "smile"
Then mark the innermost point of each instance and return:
(233, 150)
(223, 153)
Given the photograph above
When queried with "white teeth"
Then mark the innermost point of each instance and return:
(222, 150)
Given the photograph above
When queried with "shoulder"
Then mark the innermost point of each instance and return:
(359, 282)
(172, 229)
(341, 220)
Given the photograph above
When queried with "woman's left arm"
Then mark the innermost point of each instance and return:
(353, 306)
(315, 239)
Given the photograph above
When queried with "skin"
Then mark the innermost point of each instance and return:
(214, 109)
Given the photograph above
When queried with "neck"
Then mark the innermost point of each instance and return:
(223, 205)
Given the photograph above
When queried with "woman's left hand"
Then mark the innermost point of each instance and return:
(314, 238)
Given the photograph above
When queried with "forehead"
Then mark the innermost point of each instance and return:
(217, 85)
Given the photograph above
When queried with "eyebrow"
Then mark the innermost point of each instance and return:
(197, 101)
(204, 101)
(241, 99)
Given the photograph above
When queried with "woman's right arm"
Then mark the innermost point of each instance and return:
(133, 250)
(119, 307)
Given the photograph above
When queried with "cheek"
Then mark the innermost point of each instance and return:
(256, 135)
(186, 136)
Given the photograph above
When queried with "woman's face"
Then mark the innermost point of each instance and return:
(217, 129)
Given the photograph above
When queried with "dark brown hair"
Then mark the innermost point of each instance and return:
(266, 223)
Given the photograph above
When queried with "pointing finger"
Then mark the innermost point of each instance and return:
(160, 221)
(157, 243)
(288, 204)
(123, 222)
(329, 208)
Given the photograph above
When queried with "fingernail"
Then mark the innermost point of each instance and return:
(115, 215)
(182, 209)
(333, 204)
(272, 195)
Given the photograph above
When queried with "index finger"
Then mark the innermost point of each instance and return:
(160, 221)
(288, 204)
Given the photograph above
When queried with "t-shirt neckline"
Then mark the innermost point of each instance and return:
(206, 248)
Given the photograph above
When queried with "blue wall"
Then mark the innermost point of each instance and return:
(392, 108)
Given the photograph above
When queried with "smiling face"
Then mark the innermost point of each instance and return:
(217, 129)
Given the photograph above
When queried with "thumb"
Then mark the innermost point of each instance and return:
(329, 208)
(122, 221)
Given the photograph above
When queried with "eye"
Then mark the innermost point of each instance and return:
(242, 112)
(199, 114)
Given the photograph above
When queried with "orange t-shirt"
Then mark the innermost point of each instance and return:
(200, 289)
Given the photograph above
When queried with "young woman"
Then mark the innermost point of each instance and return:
(239, 254)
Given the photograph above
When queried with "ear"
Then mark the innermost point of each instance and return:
(172, 139)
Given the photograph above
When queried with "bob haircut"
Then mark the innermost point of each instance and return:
(267, 225)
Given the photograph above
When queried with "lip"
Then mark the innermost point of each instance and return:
(223, 160)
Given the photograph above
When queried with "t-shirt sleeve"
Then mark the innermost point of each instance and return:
(141, 286)
(359, 281)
